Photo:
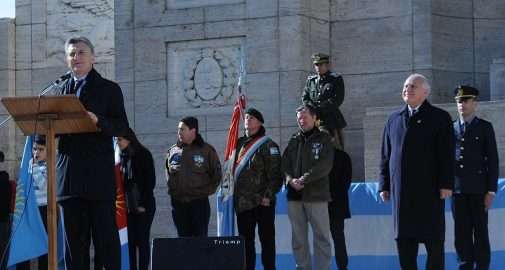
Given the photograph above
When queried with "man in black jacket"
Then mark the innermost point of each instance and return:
(340, 181)
(475, 182)
(85, 163)
(306, 164)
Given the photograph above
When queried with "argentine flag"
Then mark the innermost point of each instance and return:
(369, 233)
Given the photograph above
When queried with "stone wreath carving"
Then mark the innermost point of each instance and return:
(209, 78)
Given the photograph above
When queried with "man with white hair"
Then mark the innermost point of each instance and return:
(417, 173)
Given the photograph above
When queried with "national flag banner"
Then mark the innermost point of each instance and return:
(226, 213)
(28, 234)
(121, 211)
(370, 237)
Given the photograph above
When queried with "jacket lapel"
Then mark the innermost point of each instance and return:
(88, 87)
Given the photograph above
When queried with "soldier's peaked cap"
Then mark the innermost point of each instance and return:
(465, 91)
(320, 58)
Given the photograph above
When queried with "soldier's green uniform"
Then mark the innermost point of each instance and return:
(326, 93)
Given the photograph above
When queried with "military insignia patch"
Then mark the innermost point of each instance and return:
(274, 151)
(198, 160)
(316, 149)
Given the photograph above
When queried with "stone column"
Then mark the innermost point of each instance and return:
(7, 88)
(497, 78)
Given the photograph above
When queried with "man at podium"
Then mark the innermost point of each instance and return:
(85, 163)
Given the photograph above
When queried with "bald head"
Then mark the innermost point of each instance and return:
(416, 90)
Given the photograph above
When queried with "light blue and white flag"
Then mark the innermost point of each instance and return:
(28, 237)
(370, 237)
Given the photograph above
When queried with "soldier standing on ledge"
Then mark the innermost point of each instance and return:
(475, 184)
(325, 91)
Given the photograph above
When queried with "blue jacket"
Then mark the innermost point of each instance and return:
(476, 170)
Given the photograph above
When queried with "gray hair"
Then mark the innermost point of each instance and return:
(80, 39)
(425, 83)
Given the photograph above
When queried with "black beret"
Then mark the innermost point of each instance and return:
(256, 114)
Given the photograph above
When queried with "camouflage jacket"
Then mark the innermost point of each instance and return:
(326, 93)
(309, 155)
(261, 178)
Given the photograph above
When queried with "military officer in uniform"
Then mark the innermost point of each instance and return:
(258, 179)
(325, 91)
(476, 176)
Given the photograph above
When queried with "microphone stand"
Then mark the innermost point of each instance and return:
(52, 86)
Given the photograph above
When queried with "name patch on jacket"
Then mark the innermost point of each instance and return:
(198, 160)
(274, 151)
(316, 149)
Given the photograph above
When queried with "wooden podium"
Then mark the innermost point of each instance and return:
(50, 115)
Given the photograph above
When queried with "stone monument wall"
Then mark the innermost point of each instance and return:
(7, 88)
(184, 57)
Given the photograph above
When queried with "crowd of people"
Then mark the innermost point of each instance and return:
(425, 159)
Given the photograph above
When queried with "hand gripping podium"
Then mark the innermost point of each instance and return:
(50, 115)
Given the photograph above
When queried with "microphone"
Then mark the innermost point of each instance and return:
(63, 77)
(56, 84)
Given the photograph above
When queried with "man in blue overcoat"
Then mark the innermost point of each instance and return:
(417, 173)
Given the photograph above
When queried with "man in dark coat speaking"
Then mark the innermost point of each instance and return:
(86, 186)
(416, 173)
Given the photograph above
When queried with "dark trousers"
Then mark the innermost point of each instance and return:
(264, 217)
(191, 218)
(4, 243)
(337, 233)
(98, 217)
(407, 251)
(471, 231)
(139, 232)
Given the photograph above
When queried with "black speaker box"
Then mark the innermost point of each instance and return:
(210, 253)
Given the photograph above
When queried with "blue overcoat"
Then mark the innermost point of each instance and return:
(417, 160)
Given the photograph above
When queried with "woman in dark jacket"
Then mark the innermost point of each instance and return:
(137, 166)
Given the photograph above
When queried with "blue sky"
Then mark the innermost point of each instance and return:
(7, 8)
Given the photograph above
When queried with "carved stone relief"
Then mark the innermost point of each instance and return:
(202, 74)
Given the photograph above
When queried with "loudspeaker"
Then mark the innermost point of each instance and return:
(210, 253)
